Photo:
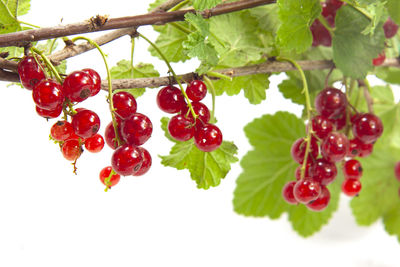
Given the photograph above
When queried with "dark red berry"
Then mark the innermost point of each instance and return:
(136, 129)
(351, 187)
(49, 114)
(71, 150)
(306, 190)
(390, 28)
(208, 137)
(146, 163)
(330, 102)
(397, 170)
(321, 202)
(109, 135)
(321, 35)
(105, 174)
(334, 147)
(298, 150)
(30, 73)
(95, 143)
(181, 128)
(352, 169)
(86, 123)
(61, 131)
(379, 59)
(367, 128)
(196, 90)
(170, 99)
(95, 89)
(287, 193)
(321, 126)
(127, 159)
(323, 171)
(124, 104)
(77, 86)
(354, 148)
(339, 121)
(48, 94)
(201, 110)
(307, 172)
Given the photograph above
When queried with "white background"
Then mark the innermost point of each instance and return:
(51, 217)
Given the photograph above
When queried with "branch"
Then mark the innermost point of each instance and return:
(100, 23)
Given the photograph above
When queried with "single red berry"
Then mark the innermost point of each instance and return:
(181, 128)
(30, 73)
(367, 128)
(351, 187)
(208, 137)
(365, 150)
(321, 35)
(105, 174)
(321, 126)
(95, 89)
(127, 159)
(170, 99)
(77, 86)
(287, 193)
(330, 102)
(109, 134)
(196, 90)
(334, 147)
(339, 121)
(86, 123)
(124, 104)
(354, 148)
(71, 150)
(146, 163)
(298, 150)
(307, 172)
(323, 171)
(321, 202)
(95, 143)
(136, 129)
(61, 130)
(48, 94)
(352, 169)
(390, 28)
(49, 114)
(379, 59)
(397, 170)
(201, 110)
(306, 190)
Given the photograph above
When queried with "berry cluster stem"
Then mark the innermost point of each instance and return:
(48, 63)
(210, 85)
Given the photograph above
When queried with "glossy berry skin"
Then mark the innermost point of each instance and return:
(78, 86)
(339, 121)
(146, 163)
(321, 126)
(359, 149)
(379, 59)
(30, 72)
(105, 173)
(334, 147)
(306, 190)
(201, 110)
(307, 172)
(287, 193)
(95, 143)
(86, 123)
(208, 137)
(71, 150)
(298, 150)
(323, 171)
(49, 114)
(126, 160)
(170, 99)
(109, 135)
(352, 169)
(95, 89)
(390, 28)
(196, 90)
(397, 170)
(330, 102)
(61, 131)
(48, 94)
(181, 128)
(137, 129)
(351, 187)
(321, 202)
(367, 128)
(124, 104)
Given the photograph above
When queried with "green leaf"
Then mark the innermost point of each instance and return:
(18, 7)
(206, 168)
(199, 23)
(296, 18)
(393, 7)
(390, 75)
(205, 4)
(391, 220)
(348, 39)
(268, 167)
(124, 70)
(8, 23)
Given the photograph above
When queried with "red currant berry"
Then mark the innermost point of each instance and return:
(287, 193)
(298, 150)
(170, 99)
(354, 148)
(306, 190)
(124, 104)
(126, 160)
(71, 150)
(321, 35)
(47, 94)
(109, 135)
(321, 126)
(86, 123)
(146, 164)
(397, 170)
(365, 150)
(95, 143)
(334, 147)
(307, 172)
(61, 131)
(367, 128)
(330, 102)
(105, 174)
(321, 202)
(201, 110)
(95, 89)
(181, 128)
(379, 59)
(208, 137)
(77, 86)
(49, 114)
(339, 121)
(352, 169)
(351, 187)
(323, 171)
(136, 129)
(390, 28)
(30, 73)
(196, 90)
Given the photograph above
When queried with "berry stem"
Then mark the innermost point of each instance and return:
(48, 63)
(107, 181)
(210, 85)
(219, 75)
(325, 23)
(366, 89)
(179, 6)
(173, 74)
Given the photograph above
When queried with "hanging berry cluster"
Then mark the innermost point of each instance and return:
(328, 146)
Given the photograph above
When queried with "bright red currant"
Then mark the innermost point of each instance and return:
(170, 99)
(95, 89)
(48, 94)
(49, 114)
(306, 190)
(126, 160)
(351, 187)
(137, 129)
(201, 110)
(146, 163)
(307, 172)
(367, 128)
(105, 174)
(71, 150)
(109, 135)
(323, 171)
(321, 126)
(30, 73)
(77, 86)
(330, 102)
(124, 104)
(196, 90)
(287, 193)
(321, 202)
(61, 131)
(95, 143)
(208, 137)
(181, 128)
(334, 147)
(352, 169)
(298, 150)
(86, 123)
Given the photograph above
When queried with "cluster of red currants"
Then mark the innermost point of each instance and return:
(390, 29)
(333, 146)
(183, 126)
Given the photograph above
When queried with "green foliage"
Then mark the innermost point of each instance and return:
(205, 4)
(393, 7)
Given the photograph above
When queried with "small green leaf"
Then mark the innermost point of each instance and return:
(393, 7)
(8, 23)
(205, 4)
(391, 220)
(390, 75)
(18, 7)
